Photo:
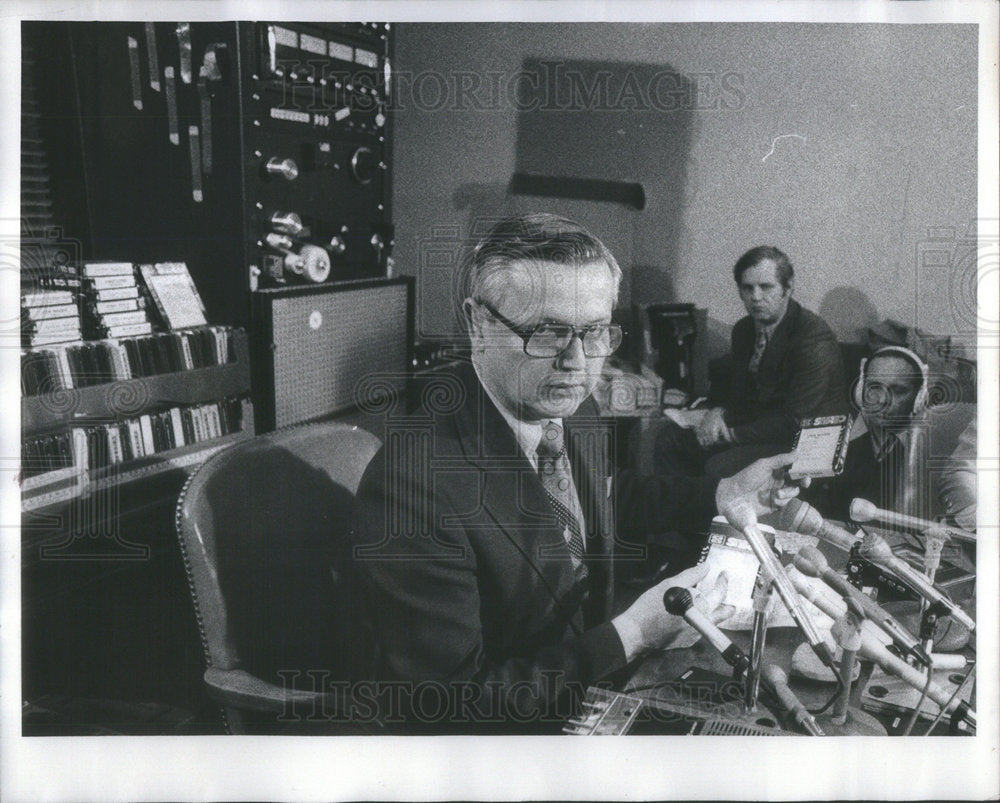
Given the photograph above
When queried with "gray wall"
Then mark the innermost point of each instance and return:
(883, 159)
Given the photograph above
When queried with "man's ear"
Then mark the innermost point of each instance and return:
(791, 286)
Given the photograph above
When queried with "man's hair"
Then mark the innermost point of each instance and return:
(917, 367)
(757, 255)
(532, 238)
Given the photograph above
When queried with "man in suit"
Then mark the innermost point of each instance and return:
(786, 366)
(886, 458)
(486, 524)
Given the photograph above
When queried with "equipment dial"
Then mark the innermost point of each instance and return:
(316, 263)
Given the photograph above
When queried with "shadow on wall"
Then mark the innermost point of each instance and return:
(849, 312)
(605, 144)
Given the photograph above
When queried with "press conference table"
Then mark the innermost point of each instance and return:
(664, 667)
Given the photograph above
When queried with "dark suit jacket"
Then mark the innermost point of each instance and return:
(468, 577)
(801, 375)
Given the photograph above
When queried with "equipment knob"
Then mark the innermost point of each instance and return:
(294, 263)
(378, 244)
(316, 267)
(282, 167)
(337, 245)
(279, 242)
(287, 223)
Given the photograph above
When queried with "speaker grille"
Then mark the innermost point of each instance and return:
(719, 727)
(329, 347)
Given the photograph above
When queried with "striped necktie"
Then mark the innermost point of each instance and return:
(758, 350)
(554, 471)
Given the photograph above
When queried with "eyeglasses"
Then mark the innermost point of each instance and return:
(552, 339)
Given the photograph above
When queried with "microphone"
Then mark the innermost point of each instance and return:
(811, 562)
(863, 511)
(742, 516)
(875, 549)
(679, 602)
(801, 517)
(875, 651)
(776, 678)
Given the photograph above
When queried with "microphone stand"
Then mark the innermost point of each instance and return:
(844, 720)
(763, 592)
(933, 546)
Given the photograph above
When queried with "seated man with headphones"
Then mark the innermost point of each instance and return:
(883, 459)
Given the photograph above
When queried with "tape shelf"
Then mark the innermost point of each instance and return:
(131, 397)
(184, 458)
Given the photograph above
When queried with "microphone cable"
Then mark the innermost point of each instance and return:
(923, 696)
(951, 699)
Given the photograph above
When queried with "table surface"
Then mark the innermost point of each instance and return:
(650, 679)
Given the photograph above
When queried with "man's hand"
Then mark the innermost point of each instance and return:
(653, 626)
(759, 487)
(713, 429)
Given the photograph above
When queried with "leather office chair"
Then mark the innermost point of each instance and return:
(263, 533)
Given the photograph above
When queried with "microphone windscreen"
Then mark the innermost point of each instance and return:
(799, 517)
(677, 600)
(862, 510)
(805, 561)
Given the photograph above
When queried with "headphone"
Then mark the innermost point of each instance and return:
(919, 402)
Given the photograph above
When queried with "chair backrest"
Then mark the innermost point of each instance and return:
(262, 528)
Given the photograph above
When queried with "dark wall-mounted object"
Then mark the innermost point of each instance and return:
(257, 153)
(627, 193)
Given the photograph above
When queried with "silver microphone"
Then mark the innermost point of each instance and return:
(742, 516)
(863, 511)
(801, 517)
(875, 549)
(811, 562)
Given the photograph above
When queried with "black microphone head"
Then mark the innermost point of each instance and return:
(677, 600)
(814, 557)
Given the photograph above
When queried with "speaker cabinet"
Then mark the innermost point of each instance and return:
(332, 348)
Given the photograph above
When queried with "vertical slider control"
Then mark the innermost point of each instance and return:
(133, 66)
(152, 54)
(184, 43)
(205, 102)
(194, 146)
(170, 83)
(272, 50)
